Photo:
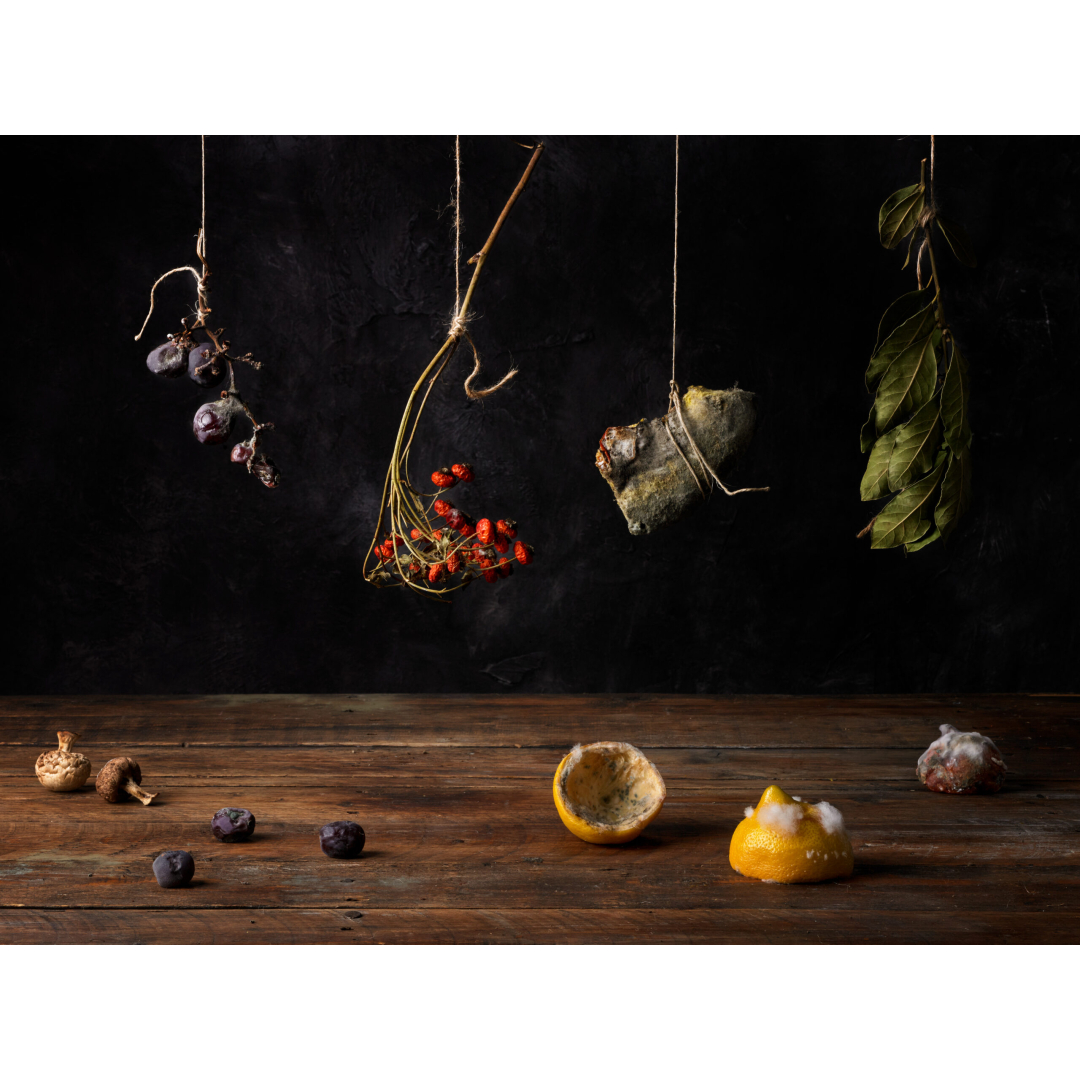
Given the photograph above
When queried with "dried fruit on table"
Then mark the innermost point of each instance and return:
(174, 869)
(655, 467)
(63, 769)
(341, 839)
(119, 778)
(607, 792)
(961, 763)
(783, 839)
(231, 824)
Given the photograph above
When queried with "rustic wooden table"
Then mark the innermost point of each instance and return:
(464, 844)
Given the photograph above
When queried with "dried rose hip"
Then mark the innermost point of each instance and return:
(230, 824)
(485, 531)
(443, 478)
(523, 552)
(463, 472)
(341, 839)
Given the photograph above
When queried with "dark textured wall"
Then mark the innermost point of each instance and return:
(136, 560)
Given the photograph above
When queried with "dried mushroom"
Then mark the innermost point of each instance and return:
(63, 770)
(659, 470)
(120, 778)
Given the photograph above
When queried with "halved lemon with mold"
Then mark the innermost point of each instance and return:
(784, 839)
(607, 792)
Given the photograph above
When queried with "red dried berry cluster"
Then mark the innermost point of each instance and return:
(465, 547)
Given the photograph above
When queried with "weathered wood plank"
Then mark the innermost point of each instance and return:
(432, 926)
(304, 765)
(538, 720)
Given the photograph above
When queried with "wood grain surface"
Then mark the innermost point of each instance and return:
(464, 845)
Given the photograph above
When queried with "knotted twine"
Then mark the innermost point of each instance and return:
(457, 324)
(674, 397)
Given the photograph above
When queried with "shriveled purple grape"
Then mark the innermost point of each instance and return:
(213, 420)
(265, 469)
(174, 869)
(168, 360)
(198, 358)
(241, 453)
(230, 824)
(341, 839)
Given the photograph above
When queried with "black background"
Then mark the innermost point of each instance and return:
(136, 560)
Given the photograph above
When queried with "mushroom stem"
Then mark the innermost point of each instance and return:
(66, 739)
(133, 789)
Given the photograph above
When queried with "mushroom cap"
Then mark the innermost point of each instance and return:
(62, 770)
(110, 780)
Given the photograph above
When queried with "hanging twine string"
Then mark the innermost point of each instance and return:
(200, 251)
(674, 397)
(457, 325)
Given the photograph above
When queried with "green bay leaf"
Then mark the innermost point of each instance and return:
(955, 492)
(907, 517)
(957, 239)
(899, 214)
(955, 404)
(915, 446)
(902, 337)
(900, 310)
(875, 481)
(908, 383)
(868, 434)
(929, 538)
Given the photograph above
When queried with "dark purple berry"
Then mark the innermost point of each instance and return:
(241, 453)
(341, 839)
(231, 824)
(213, 420)
(167, 360)
(199, 357)
(266, 471)
(174, 869)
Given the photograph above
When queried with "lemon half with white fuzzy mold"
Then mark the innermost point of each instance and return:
(784, 839)
(607, 792)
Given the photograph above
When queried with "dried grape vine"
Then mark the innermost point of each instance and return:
(409, 546)
(918, 432)
(206, 364)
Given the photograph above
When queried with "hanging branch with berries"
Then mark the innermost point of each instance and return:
(918, 432)
(410, 547)
(208, 363)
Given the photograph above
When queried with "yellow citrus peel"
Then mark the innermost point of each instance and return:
(607, 792)
(785, 839)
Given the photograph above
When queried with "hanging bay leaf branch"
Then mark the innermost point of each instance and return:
(918, 433)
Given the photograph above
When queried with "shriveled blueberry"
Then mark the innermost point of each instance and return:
(174, 869)
(200, 357)
(168, 360)
(230, 824)
(341, 839)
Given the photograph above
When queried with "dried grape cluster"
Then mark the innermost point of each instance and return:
(441, 558)
(207, 363)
